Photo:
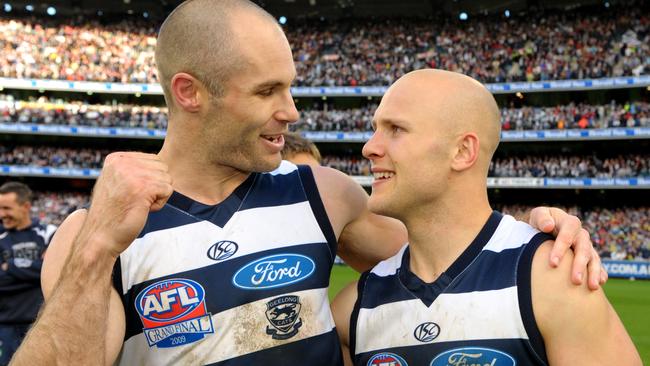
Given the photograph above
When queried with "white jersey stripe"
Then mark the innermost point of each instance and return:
(470, 316)
(245, 327)
(253, 230)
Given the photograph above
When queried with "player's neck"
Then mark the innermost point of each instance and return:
(438, 237)
(215, 185)
(24, 224)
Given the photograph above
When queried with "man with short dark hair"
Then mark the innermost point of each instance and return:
(22, 244)
(300, 150)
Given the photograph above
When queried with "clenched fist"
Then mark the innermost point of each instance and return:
(131, 185)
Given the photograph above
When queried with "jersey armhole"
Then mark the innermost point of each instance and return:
(117, 284)
(311, 191)
(354, 317)
(524, 293)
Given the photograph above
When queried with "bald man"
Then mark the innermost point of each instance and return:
(213, 252)
(472, 286)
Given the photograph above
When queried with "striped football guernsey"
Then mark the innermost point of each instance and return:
(478, 312)
(243, 282)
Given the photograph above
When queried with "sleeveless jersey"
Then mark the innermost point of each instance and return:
(20, 285)
(478, 312)
(243, 282)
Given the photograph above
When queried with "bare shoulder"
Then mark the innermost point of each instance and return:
(342, 307)
(343, 198)
(579, 326)
(59, 248)
(334, 184)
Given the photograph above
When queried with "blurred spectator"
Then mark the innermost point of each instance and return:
(300, 150)
(23, 241)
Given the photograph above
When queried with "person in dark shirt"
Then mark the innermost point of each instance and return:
(22, 244)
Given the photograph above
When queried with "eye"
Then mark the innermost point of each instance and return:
(266, 92)
(396, 129)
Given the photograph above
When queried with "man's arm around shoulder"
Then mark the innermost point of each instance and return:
(579, 326)
(82, 320)
(364, 238)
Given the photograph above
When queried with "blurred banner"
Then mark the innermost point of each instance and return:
(627, 269)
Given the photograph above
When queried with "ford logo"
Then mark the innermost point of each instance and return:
(473, 356)
(222, 250)
(426, 332)
(274, 271)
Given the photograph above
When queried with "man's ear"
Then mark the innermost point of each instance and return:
(186, 90)
(467, 152)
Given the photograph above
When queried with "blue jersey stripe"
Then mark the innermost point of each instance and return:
(425, 353)
(217, 280)
(322, 350)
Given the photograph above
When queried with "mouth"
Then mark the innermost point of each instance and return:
(381, 176)
(276, 139)
(275, 143)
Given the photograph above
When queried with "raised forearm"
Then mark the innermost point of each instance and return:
(71, 328)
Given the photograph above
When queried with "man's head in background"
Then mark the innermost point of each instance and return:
(300, 150)
(15, 205)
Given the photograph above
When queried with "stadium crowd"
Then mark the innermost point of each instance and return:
(47, 156)
(546, 46)
(44, 110)
(632, 165)
(48, 111)
(592, 166)
(576, 116)
(54, 207)
(620, 233)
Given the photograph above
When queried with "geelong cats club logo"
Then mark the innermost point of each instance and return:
(173, 313)
(283, 313)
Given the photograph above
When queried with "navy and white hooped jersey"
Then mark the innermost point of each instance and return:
(243, 282)
(478, 312)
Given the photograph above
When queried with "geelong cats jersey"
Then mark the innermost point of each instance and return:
(243, 282)
(478, 312)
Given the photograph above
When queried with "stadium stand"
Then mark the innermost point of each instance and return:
(43, 110)
(553, 46)
(37, 124)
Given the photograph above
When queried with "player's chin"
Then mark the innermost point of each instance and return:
(378, 204)
(268, 163)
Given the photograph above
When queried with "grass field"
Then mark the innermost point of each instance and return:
(631, 299)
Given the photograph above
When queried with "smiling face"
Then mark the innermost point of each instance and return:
(14, 214)
(243, 128)
(410, 151)
(435, 133)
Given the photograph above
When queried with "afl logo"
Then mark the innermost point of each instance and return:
(274, 271)
(386, 359)
(426, 332)
(173, 312)
(222, 250)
